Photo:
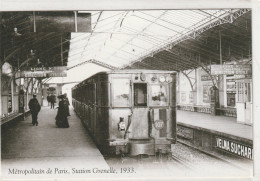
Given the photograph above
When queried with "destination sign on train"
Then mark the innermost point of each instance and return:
(59, 71)
(234, 148)
(238, 69)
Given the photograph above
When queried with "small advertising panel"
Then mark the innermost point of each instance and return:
(206, 92)
(59, 71)
(237, 69)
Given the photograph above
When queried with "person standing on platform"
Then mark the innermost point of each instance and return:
(53, 100)
(61, 118)
(35, 108)
(48, 99)
(66, 100)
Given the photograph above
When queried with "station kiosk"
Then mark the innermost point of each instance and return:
(244, 101)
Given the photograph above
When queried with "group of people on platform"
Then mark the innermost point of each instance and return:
(62, 114)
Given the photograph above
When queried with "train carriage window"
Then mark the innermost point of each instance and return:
(140, 94)
(158, 95)
(102, 94)
(121, 92)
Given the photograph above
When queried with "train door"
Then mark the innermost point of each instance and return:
(140, 112)
(244, 101)
(159, 113)
(120, 102)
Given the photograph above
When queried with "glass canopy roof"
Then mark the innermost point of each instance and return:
(119, 38)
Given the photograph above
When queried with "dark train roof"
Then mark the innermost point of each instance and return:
(133, 71)
(128, 71)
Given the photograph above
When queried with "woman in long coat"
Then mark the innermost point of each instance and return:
(61, 118)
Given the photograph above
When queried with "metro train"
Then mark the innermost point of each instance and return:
(129, 112)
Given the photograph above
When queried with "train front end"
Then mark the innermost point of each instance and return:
(142, 117)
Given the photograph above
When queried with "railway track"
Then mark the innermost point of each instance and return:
(182, 162)
(159, 159)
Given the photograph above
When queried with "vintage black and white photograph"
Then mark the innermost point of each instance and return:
(125, 93)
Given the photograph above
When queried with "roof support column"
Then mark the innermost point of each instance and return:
(1, 91)
(221, 78)
(12, 94)
(34, 22)
(195, 92)
(76, 21)
(220, 48)
(61, 51)
(178, 92)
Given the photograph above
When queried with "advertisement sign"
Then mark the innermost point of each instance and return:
(183, 97)
(206, 93)
(208, 78)
(231, 86)
(61, 21)
(185, 132)
(59, 71)
(238, 69)
(234, 148)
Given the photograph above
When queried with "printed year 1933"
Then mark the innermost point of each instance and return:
(127, 170)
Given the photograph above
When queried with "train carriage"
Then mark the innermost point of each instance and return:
(129, 111)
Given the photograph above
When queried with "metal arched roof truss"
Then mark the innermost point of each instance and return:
(163, 39)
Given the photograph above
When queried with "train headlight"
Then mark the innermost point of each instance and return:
(153, 78)
(142, 77)
(121, 125)
(162, 78)
(168, 79)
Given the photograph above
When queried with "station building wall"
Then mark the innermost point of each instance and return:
(10, 87)
(199, 94)
(234, 93)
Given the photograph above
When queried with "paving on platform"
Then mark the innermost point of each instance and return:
(46, 147)
(221, 124)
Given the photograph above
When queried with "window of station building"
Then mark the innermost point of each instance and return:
(140, 94)
(121, 92)
(231, 92)
(244, 92)
(231, 99)
(159, 95)
(248, 95)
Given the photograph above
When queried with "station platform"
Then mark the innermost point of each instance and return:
(218, 134)
(221, 124)
(46, 147)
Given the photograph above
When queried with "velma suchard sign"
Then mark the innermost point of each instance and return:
(59, 71)
(238, 69)
(234, 148)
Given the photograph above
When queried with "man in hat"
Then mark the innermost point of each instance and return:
(52, 100)
(35, 108)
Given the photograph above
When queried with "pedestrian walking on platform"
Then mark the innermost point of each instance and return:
(61, 118)
(35, 108)
(52, 100)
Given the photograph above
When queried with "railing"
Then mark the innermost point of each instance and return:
(230, 112)
(191, 108)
